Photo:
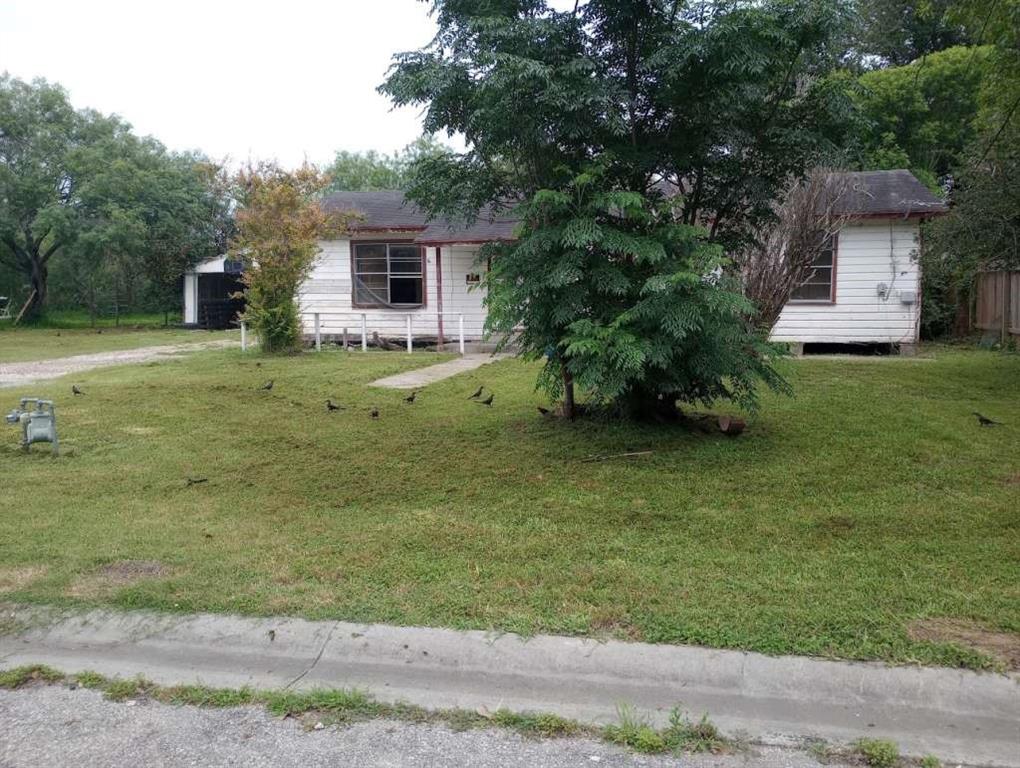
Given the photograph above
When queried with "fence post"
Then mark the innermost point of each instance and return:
(244, 336)
(318, 335)
(345, 339)
(410, 346)
(364, 332)
(460, 328)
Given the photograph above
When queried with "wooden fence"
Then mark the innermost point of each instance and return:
(998, 303)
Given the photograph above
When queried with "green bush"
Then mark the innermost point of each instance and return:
(879, 753)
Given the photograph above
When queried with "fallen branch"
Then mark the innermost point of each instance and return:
(608, 456)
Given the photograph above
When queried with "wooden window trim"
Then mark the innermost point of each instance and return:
(832, 283)
(399, 308)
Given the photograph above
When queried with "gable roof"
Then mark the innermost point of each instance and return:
(388, 211)
(872, 194)
(889, 193)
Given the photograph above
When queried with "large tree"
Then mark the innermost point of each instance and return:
(638, 140)
(897, 32)
(367, 171)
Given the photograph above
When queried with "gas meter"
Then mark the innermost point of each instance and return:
(38, 422)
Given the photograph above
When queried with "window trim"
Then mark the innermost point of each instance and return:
(832, 283)
(389, 275)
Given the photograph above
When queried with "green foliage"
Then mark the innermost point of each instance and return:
(279, 224)
(681, 735)
(930, 761)
(878, 753)
(922, 115)
(359, 171)
(581, 117)
(120, 211)
(898, 32)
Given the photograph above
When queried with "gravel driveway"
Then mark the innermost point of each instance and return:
(16, 374)
(43, 726)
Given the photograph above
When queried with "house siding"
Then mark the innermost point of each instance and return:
(868, 253)
(329, 289)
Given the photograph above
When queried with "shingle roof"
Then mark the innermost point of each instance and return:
(889, 193)
(872, 193)
(388, 211)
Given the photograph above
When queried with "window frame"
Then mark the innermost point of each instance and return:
(832, 279)
(355, 244)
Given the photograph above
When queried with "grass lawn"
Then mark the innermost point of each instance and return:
(22, 344)
(869, 501)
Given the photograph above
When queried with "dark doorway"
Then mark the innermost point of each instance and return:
(217, 309)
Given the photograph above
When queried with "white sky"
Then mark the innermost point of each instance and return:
(287, 80)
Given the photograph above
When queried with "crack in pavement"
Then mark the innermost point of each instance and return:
(322, 650)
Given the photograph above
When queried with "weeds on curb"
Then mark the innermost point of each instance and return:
(878, 753)
(347, 706)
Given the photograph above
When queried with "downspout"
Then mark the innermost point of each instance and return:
(439, 291)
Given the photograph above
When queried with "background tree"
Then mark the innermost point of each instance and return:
(897, 32)
(279, 224)
(587, 118)
(367, 171)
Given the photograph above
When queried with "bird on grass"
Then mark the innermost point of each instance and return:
(197, 480)
(410, 398)
(487, 401)
(544, 411)
(477, 394)
(75, 390)
(984, 421)
(268, 385)
(374, 413)
(331, 406)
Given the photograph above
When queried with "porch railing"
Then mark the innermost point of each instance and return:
(328, 323)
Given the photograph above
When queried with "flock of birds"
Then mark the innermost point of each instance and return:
(983, 421)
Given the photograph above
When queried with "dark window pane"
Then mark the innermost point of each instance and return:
(406, 290)
(371, 289)
(824, 259)
(370, 258)
(814, 290)
(405, 252)
(406, 266)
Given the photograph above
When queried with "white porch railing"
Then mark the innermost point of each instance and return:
(328, 323)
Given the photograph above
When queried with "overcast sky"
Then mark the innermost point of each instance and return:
(287, 79)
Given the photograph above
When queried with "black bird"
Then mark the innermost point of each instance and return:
(487, 401)
(984, 421)
(410, 398)
(272, 635)
(75, 390)
(331, 406)
(477, 394)
(374, 413)
(268, 385)
(543, 411)
(196, 480)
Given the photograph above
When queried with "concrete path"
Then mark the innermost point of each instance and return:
(54, 726)
(425, 376)
(16, 374)
(957, 715)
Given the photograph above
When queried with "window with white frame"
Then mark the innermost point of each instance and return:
(388, 275)
(820, 285)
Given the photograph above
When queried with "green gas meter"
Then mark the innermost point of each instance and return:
(38, 422)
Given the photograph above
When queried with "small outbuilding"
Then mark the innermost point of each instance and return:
(210, 294)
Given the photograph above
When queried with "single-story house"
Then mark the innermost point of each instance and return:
(396, 265)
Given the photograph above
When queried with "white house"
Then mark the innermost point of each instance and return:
(397, 268)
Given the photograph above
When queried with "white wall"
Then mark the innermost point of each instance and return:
(868, 253)
(328, 291)
(190, 298)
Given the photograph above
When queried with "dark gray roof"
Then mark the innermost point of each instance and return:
(889, 193)
(872, 193)
(388, 211)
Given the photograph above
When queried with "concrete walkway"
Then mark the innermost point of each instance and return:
(16, 374)
(959, 716)
(422, 377)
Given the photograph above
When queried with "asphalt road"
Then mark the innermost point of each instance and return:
(43, 726)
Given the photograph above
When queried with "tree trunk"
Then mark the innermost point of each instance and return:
(38, 280)
(568, 392)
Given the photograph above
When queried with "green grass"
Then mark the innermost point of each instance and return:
(868, 501)
(77, 318)
(42, 343)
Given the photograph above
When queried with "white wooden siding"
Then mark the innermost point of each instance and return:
(869, 253)
(328, 291)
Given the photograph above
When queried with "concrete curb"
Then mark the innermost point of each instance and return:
(958, 715)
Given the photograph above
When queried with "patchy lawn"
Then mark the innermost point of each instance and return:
(840, 519)
(18, 345)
